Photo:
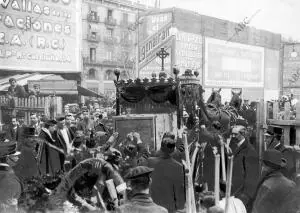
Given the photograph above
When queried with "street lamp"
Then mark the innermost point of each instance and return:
(173, 31)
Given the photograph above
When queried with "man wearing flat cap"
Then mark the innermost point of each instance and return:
(139, 180)
(48, 154)
(245, 167)
(273, 189)
(15, 90)
(10, 186)
(167, 188)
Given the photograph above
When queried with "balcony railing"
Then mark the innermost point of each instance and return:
(93, 38)
(110, 40)
(93, 18)
(88, 60)
(110, 22)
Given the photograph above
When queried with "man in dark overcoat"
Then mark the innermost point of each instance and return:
(10, 185)
(274, 188)
(168, 186)
(48, 153)
(140, 180)
(245, 174)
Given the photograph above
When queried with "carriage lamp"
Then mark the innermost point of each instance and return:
(294, 53)
(117, 73)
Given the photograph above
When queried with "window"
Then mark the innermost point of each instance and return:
(125, 18)
(94, 35)
(93, 54)
(109, 75)
(109, 55)
(93, 15)
(92, 74)
(109, 32)
(109, 14)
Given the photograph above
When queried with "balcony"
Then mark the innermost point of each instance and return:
(93, 38)
(93, 18)
(89, 61)
(110, 40)
(110, 22)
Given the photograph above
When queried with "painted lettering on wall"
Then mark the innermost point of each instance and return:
(42, 30)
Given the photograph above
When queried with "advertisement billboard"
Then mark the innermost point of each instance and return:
(40, 35)
(188, 51)
(230, 64)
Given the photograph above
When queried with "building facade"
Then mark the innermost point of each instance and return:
(109, 30)
(227, 55)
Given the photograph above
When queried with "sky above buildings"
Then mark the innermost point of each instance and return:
(278, 16)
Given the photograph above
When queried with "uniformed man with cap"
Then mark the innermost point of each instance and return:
(139, 181)
(10, 186)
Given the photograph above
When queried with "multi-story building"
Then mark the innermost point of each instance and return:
(109, 42)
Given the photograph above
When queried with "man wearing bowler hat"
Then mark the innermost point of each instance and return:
(274, 188)
(10, 186)
(139, 181)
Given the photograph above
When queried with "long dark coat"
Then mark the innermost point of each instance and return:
(49, 160)
(245, 175)
(272, 193)
(60, 142)
(168, 183)
(27, 165)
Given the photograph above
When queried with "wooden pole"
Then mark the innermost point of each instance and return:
(217, 179)
(228, 183)
(190, 198)
(223, 161)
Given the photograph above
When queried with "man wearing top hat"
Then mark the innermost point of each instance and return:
(27, 166)
(10, 186)
(139, 180)
(274, 188)
(48, 154)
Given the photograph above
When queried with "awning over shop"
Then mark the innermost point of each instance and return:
(86, 92)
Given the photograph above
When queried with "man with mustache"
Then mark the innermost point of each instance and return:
(245, 174)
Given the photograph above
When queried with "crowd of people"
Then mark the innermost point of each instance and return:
(39, 155)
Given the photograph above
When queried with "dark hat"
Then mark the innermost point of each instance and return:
(2, 136)
(51, 122)
(8, 148)
(60, 118)
(274, 130)
(12, 79)
(138, 172)
(273, 158)
(29, 131)
(20, 114)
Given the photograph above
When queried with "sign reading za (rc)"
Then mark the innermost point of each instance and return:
(40, 35)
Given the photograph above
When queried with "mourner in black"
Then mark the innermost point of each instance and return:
(139, 182)
(274, 188)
